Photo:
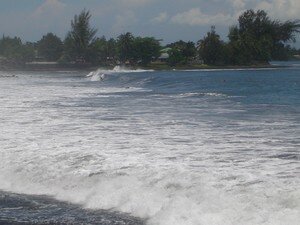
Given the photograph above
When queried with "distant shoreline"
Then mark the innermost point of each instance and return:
(155, 67)
(209, 67)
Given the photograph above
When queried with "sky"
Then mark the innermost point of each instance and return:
(169, 20)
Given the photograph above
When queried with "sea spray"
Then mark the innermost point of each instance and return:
(99, 74)
(169, 147)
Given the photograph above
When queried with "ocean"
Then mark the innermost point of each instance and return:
(206, 147)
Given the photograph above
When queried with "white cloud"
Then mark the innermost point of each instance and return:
(49, 7)
(162, 17)
(124, 22)
(195, 16)
(50, 16)
(281, 9)
(132, 3)
(238, 4)
(135, 1)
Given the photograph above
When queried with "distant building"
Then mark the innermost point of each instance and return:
(165, 50)
(2, 58)
(297, 57)
(163, 57)
(164, 54)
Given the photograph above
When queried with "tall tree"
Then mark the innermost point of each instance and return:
(80, 38)
(211, 47)
(15, 51)
(187, 49)
(100, 51)
(257, 37)
(175, 57)
(112, 49)
(145, 49)
(125, 47)
(50, 47)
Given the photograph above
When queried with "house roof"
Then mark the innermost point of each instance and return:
(165, 50)
(164, 56)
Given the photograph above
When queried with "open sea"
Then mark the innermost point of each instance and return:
(122, 147)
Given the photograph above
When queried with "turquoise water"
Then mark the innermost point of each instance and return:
(171, 147)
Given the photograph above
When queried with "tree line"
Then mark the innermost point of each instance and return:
(255, 39)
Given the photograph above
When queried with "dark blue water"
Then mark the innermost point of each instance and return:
(278, 86)
(266, 91)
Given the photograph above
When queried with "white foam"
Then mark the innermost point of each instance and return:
(160, 160)
(192, 94)
(117, 69)
(123, 69)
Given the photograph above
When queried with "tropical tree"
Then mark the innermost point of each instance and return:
(176, 57)
(125, 47)
(256, 37)
(187, 49)
(9, 46)
(15, 51)
(100, 50)
(81, 37)
(145, 49)
(211, 47)
(135, 49)
(111, 49)
(28, 51)
(50, 47)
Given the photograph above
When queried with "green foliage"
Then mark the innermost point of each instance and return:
(80, 39)
(9, 47)
(253, 37)
(28, 52)
(15, 51)
(211, 48)
(254, 40)
(100, 50)
(137, 49)
(187, 49)
(176, 57)
(111, 49)
(125, 47)
(145, 49)
(50, 47)
(181, 53)
(103, 51)
(257, 38)
(285, 31)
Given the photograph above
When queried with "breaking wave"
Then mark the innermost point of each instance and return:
(170, 147)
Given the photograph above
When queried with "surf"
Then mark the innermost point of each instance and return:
(167, 147)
